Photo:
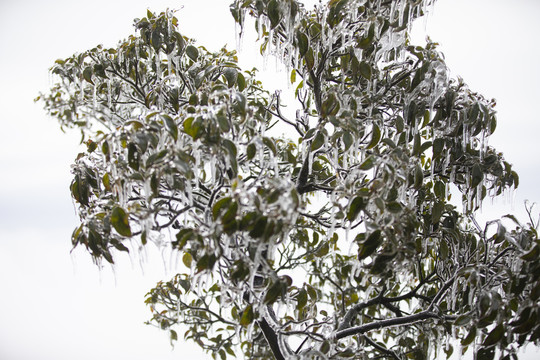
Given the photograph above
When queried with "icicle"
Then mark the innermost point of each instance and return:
(94, 100)
(158, 64)
(81, 91)
(169, 65)
(109, 95)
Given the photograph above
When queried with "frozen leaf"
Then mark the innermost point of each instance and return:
(369, 246)
(365, 70)
(302, 42)
(318, 141)
(192, 52)
(477, 175)
(170, 125)
(87, 75)
(494, 336)
(187, 259)
(120, 221)
(231, 75)
(247, 316)
(274, 13)
(470, 337)
(357, 204)
(376, 137)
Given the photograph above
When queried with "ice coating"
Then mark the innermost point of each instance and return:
(351, 204)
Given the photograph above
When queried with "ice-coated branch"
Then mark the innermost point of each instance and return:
(271, 338)
(381, 348)
(382, 300)
(381, 324)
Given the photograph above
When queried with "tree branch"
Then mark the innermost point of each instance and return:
(271, 338)
(376, 325)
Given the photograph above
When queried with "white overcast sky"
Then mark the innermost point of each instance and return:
(56, 306)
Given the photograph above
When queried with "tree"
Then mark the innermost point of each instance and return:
(340, 239)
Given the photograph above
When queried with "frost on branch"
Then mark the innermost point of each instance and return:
(338, 241)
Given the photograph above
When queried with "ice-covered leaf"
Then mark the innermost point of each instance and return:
(371, 244)
(365, 70)
(87, 75)
(247, 316)
(375, 138)
(318, 141)
(302, 42)
(357, 204)
(192, 52)
(477, 175)
(231, 75)
(120, 221)
(187, 259)
(494, 336)
(274, 13)
(170, 125)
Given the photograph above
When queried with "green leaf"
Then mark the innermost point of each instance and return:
(156, 40)
(187, 259)
(259, 227)
(375, 138)
(231, 75)
(273, 13)
(394, 207)
(251, 150)
(494, 336)
(133, 156)
(318, 141)
(99, 70)
(302, 42)
(273, 292)
(247, 316)
(170, 125)
(347, 140)
(231, 148)
(192, 52)
(439, 189)
(330, 105)
(418, 176)
(485, 354)
(270, 144)
(301, 299)
(365, 70)
(436, 212)
(416, 144)
(310, 59)
(240, 81)
(444, 251)
(367, 164)
(230, 214)
(532, 254)
(477, 176)
(107, 181)
(223, 122)
(206, 262)
(357, 205)
(87, 75)
(369, 246)
(462, 320)
(366, 41)
(220, 205)
(470, 336)
(120, 221)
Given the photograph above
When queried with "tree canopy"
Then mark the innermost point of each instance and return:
(337, 240)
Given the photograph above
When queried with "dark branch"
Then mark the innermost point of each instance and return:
(271, 338)
(376, 325)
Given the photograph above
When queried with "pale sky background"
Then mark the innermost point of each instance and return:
(56, 306)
